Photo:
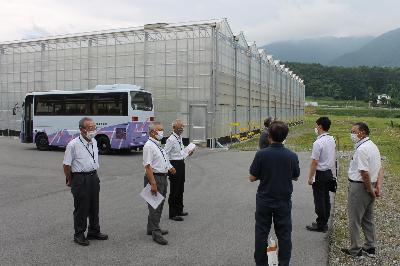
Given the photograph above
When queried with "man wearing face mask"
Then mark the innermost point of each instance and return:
(365, 182)
(321, 173)
(157, 166)
(80, 164)
(174, 148)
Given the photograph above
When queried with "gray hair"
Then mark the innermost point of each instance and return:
(83, 120)
(153, 126)
(176, 122)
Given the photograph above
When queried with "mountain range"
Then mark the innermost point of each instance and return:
(382, 51)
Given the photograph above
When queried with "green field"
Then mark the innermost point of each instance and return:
(387, 214)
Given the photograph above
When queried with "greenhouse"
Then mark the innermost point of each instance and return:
(217, 82)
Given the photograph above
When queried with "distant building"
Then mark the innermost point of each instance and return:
(311, 104)
(383, 99)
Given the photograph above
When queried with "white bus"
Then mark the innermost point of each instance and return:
(122, 113)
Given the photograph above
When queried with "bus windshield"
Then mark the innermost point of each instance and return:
(141, 101)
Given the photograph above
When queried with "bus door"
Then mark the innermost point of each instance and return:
(27, 120)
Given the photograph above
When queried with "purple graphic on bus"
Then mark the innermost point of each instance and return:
(121, 136)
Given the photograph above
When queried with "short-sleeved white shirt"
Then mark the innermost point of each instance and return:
(324, 151)
(367, 158)
(155, 156)
(174, 147)
(81, 155)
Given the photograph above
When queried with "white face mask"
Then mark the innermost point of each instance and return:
(354, 138)
(91, 134)
(316, 131)
(160, 135)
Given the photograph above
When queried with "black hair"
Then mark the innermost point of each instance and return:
(363, 127)
(324, 122)
(268, 121)
(278, 131)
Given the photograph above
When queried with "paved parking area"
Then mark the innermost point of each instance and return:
(36, 224)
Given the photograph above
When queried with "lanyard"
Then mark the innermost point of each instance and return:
(360, 146)
(91, 155)
(324, 135)
(362, 143)
(160, 150)
(180, 144)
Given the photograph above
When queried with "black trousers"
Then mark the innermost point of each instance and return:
(321, 197)
(280, 212)
(85, 188)
(177, 186)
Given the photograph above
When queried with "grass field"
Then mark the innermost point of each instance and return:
(387, 209)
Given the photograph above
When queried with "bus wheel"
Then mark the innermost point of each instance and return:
(42, 143)
(103, 144)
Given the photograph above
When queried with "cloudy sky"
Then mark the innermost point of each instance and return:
(263, 21)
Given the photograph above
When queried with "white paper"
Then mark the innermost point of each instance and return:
(153, 200)
(188, 149)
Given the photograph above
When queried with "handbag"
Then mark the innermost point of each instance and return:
(332, 185)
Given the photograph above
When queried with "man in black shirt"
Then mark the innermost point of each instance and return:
(275, 167)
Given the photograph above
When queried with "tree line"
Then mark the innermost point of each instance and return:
(349, 83)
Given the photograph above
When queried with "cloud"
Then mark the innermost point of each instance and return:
(262, 21)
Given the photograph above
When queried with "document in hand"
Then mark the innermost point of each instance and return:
(153, 200)
(189, 148)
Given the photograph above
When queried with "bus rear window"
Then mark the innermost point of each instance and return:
(141, 101)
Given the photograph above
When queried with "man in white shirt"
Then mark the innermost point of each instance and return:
(81, 161)
(365, 182)
(157, 166)
(175, 150)
(321, 173)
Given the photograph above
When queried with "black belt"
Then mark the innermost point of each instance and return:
(323, 171)
(160, 174)
(177, 160)
(353, 181)
(85, 173)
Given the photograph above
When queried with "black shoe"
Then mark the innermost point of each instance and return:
(315, 228)
(98, 236)
(81, 240)
(176, 218)
(346, 251)
(163, 232)
(160, 240)
(369, 252)
(183, 214)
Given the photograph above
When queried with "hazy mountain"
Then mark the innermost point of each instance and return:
(384, 50)
(319, 50)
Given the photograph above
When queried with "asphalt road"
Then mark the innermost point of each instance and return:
(36, 225)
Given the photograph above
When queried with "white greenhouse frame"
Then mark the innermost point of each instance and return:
(186, 66)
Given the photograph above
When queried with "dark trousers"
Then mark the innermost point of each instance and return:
(280, 212)
(153, 220)
(85, 188)
(177, 185)
(321, 197)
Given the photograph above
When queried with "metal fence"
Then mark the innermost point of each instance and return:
(200, 72)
